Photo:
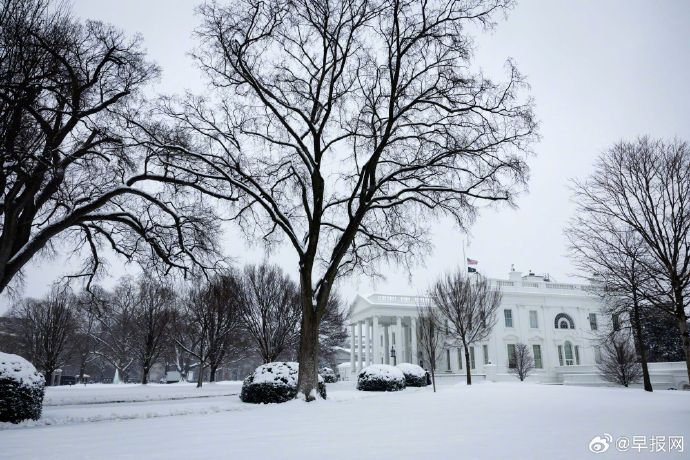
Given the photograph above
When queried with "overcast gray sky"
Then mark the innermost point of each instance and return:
(600, 71)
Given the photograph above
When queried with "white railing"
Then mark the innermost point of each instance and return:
(562, 286)
(400, 299)
(424, 300)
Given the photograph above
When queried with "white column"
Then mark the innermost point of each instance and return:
(413, 333)
(399, 341)
(375, 340)
(352, 349)
(367, 344)
(360, 350)
(386, 345)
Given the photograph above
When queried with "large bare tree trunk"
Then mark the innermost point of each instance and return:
(683, 327)
(468, 366)
(308, 352)
(145, 376)
(641, 343)
(49, 378)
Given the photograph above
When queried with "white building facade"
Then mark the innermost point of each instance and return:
(558, 321)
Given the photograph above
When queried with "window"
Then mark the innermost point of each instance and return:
(459, 358)
(536, 351)
(593, 321)
(448, 359)
(393, 338)
(597, 354)
(568, 348)
(485, 350)
(560, 355)
(577, 355)
(483, 318)
(616, 322)
(533, 321)
(509, 317)
(564, 321)
(511, 356)
(472, 357)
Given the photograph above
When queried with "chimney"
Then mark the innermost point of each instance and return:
(513, 275)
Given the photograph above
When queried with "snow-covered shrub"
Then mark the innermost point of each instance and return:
(415, 376)
(381, 377)
(21, 389)
(327, 374)
(274, 383)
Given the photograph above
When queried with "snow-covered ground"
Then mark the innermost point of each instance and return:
(487, 421)
(106, 393)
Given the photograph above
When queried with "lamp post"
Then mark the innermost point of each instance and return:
(393, 355)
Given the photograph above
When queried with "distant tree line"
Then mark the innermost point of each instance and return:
(202, 325)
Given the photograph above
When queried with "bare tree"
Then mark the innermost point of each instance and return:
(617, 260)
(619, 361)
(333, 330)
(521, 362)
(209, 318)
(645, 185)
(82, 343)
(270, 309)
(64, 170)
(116, 326)
(469, 304)
(44, 329)
(154, 313)
(343, 128)
(430, 337)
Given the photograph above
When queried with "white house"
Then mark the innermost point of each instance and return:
(559, 322)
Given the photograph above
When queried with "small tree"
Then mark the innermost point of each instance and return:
(270, 310)
(208, 319)
(429, 337)
(469, 306)
(521, 362)
(82, 343)
(154, 312)
(333, 330)
(44, 327)
(619, 361)
(116, 323)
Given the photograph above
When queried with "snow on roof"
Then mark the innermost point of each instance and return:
(16, 368)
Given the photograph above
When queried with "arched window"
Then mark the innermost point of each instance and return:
(563, 321)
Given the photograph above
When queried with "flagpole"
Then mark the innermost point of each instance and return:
(464, 258)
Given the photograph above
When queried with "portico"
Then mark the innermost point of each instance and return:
(382, 336)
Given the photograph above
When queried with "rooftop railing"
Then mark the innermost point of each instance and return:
(424, 300)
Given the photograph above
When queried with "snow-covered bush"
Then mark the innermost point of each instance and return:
(415, 376)
(274, 383)
(21, 389)
(381, 377)
(327, 374)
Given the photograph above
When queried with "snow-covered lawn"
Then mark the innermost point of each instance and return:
(488, 421)
(106, 393)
